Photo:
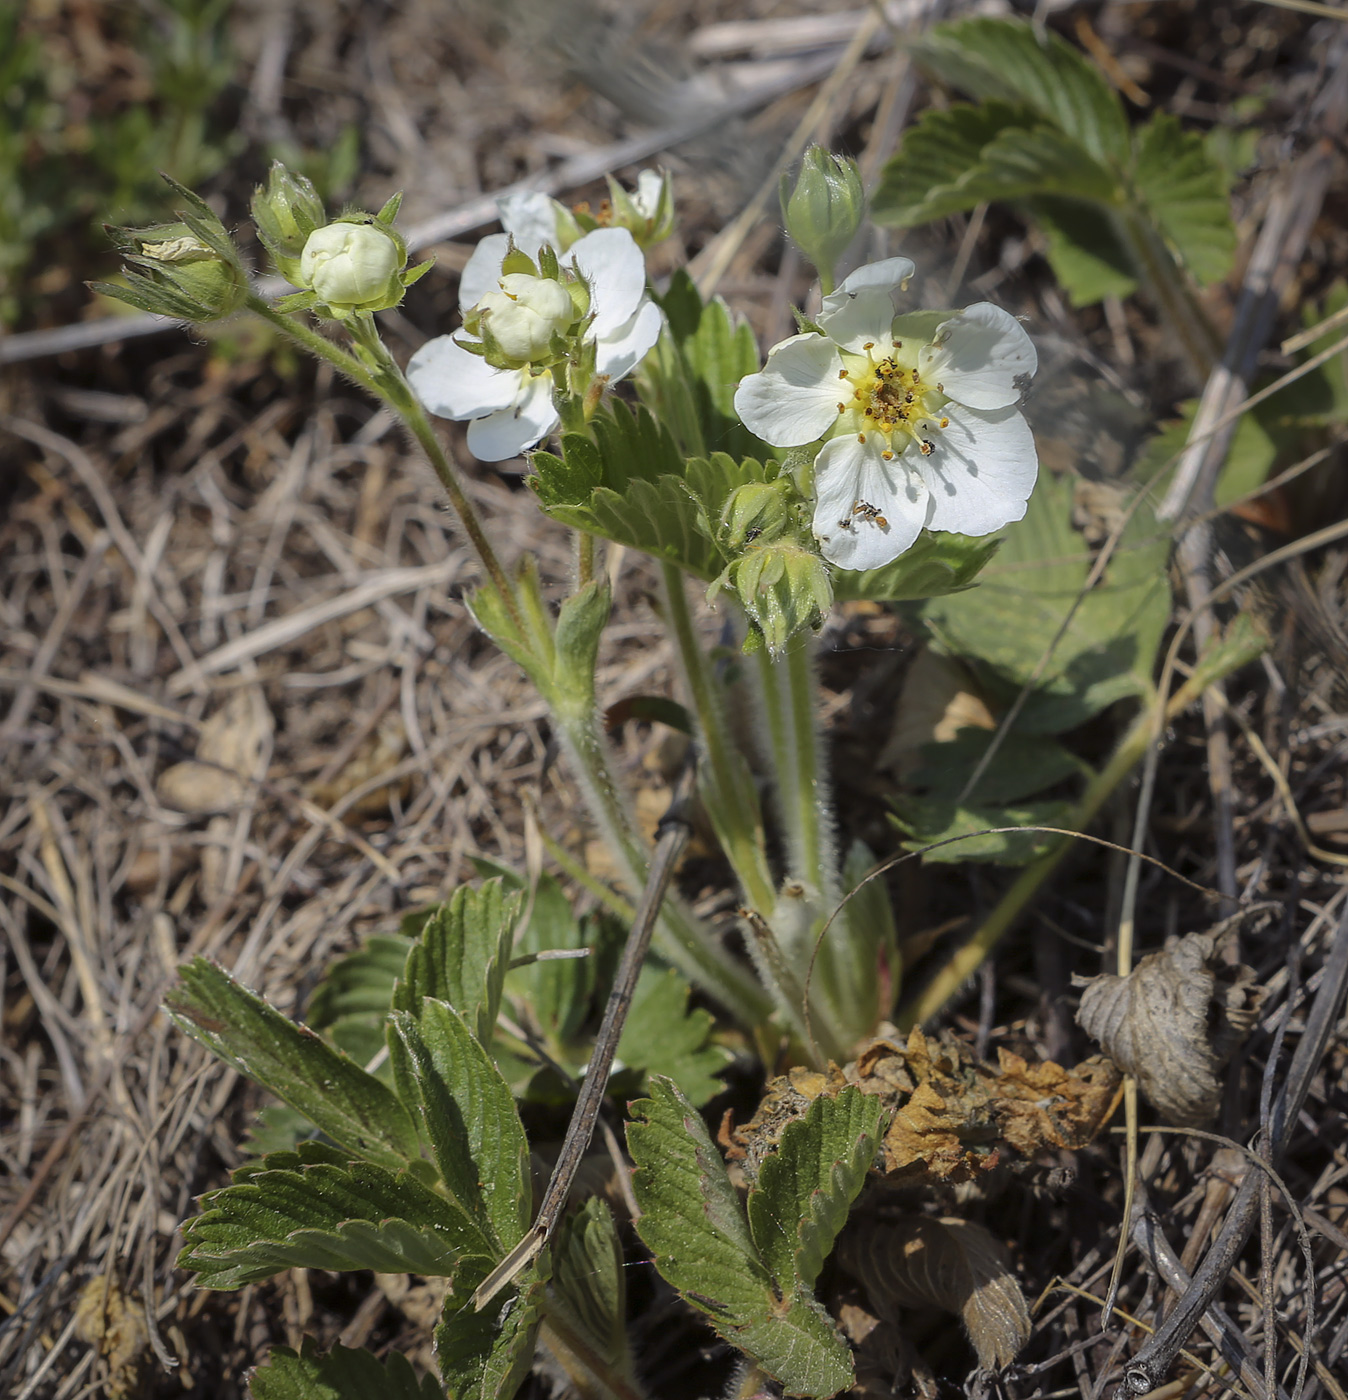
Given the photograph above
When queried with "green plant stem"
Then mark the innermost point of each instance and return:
(1170, 290)
(728, 786)
(1131, 750)
(679, 938)
(379, 374)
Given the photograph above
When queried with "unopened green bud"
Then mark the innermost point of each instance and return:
(354, 264)
(784, 588)
(285, 214)
(824, 210)
(756, 512)
(648, 212)
(186, 270)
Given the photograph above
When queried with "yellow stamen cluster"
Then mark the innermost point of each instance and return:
(890, 397)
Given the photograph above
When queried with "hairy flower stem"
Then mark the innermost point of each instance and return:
(804, 803)
(728, 786)
(591, 1374)
(1131, 750)
(679, 937)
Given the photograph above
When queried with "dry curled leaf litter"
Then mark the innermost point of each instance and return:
(917, 1261)
(1173, 1023)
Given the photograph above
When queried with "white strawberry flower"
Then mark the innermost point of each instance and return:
(512, 409)
(922, 429)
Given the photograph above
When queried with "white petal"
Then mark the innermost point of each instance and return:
(614, 267)
(794, 397)
(455, 384)
(848, 473)
(483, 270)
(530, 219)
(507, 433)
(982, 471)
(862, 308)
(618, 355)
(982, 357)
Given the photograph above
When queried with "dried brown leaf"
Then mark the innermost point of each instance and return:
(114, 1323)
(231, 751)
(955, 1118)
(1173, 1023)
(917, 1261)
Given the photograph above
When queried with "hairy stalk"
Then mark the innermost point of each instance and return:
(679, 937)
(589, 1372)
(1131, 750)
(728, 786)
(788, 692)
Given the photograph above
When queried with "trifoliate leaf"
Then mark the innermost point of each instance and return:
(340, 1374)
(807, 1186)
(461, 956)
(486, 1355)
(1003, 627)
(694, 1225)
(1186, 193)
(313, 1209)
(1014, 61)
(469, 1116)
(361, 983)
(350, 1106)
(663, 1036)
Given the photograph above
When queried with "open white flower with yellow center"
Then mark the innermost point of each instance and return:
(922, 426)
(510, 404)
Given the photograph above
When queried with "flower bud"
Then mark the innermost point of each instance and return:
(354, 265)
(824, 210)
(285, 214)
(525, 314)
(186, 270)
(648, 212)
(758, 511)
(784, 588)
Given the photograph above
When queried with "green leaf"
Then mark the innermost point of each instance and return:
(662, 1036)
(343, 1373)
(862, 948)
(1186, 193)
(1004, 626)
(935, 565)
(313, 1209)
(1010, 60)
(807, 1186)
(461, 956)
(589, 1281)
(486, 1355)
(557, 993)
(1085, 250)
(632, 487)
(694, 1225)
(1242, 642)
(361, 983)
(941, 155)
(1022, 765)
(470, 1118)
(928, 820)
(351, 1107)
(689, 379)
